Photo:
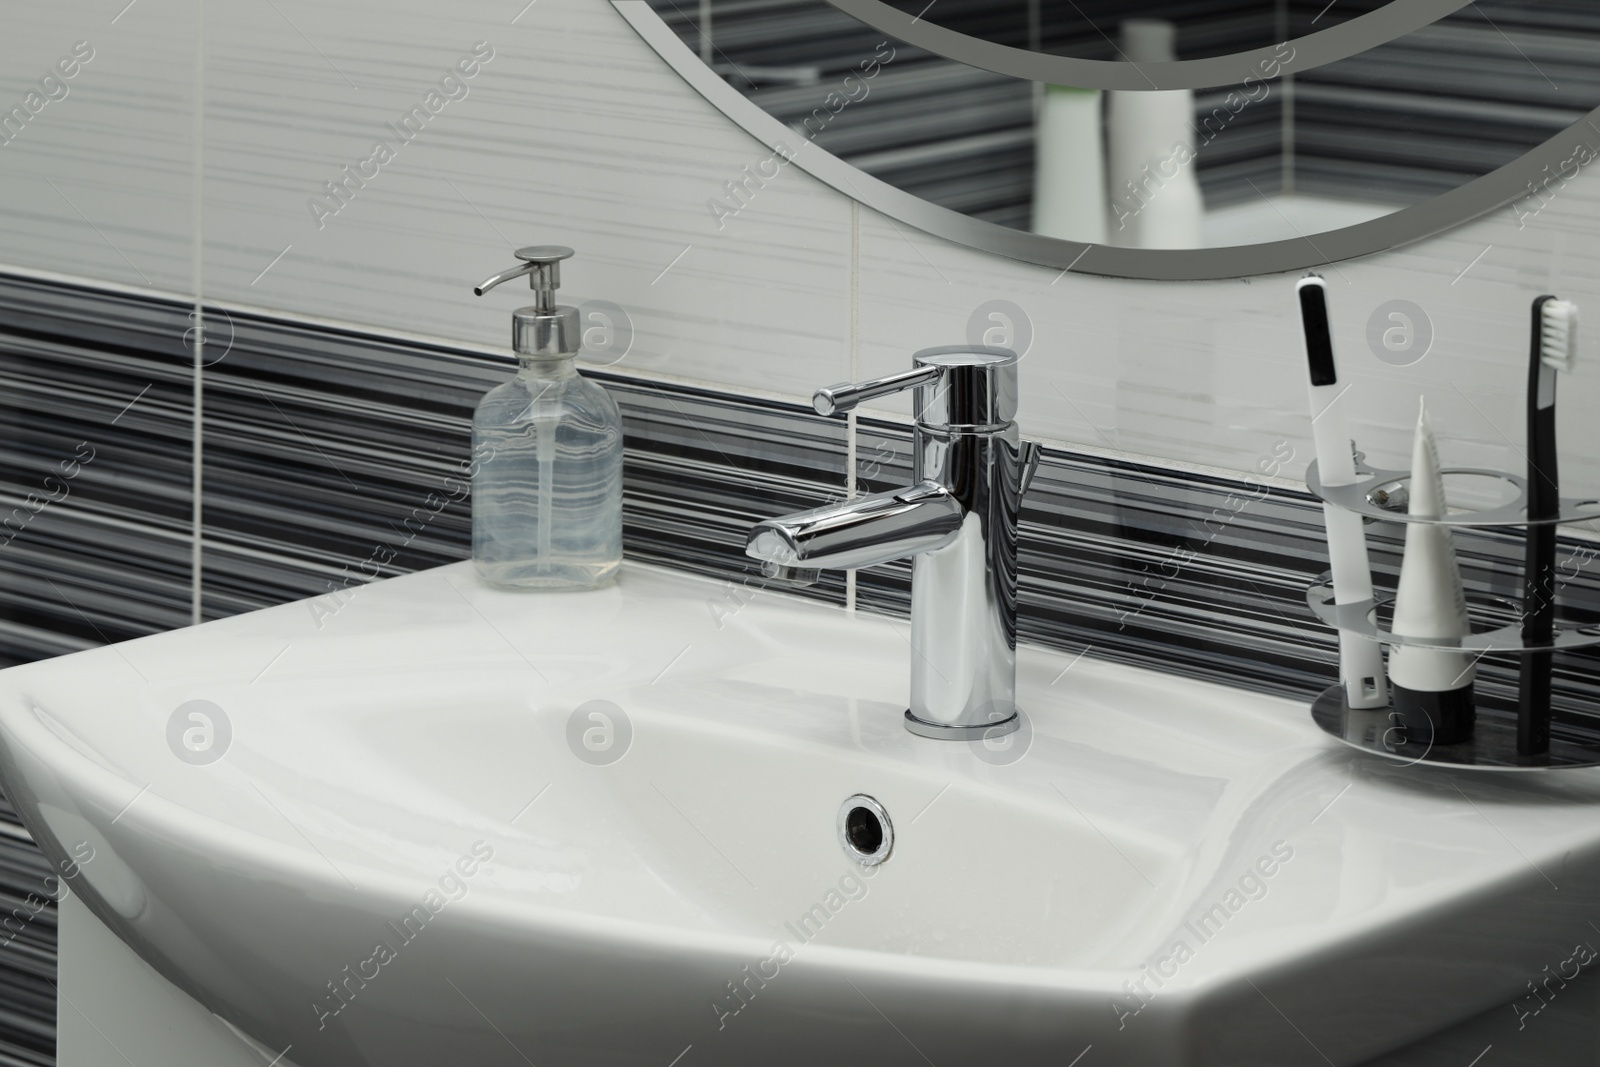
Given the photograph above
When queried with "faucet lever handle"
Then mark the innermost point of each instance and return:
(835, 399)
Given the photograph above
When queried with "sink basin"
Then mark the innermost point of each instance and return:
(432, 822)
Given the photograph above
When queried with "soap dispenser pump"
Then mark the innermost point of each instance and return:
(547, 451)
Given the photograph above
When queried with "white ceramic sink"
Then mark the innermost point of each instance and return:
(414, 751)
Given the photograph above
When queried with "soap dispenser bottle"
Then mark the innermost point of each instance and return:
(547, 450)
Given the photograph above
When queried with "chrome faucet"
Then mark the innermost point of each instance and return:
(957, 523)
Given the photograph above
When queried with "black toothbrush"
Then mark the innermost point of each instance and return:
(1555, 324)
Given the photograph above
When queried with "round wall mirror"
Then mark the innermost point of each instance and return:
(1316, 148)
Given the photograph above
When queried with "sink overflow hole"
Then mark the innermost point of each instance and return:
(865, 831)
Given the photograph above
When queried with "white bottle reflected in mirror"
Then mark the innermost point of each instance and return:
(1155, 199)
(1069, 170)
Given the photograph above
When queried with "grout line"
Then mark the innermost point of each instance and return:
(1287, 172)
(197, 406)
(849, 494)
(99, 285)
(855, 376)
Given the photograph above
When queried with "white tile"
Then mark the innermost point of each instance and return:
(1176, 371)
(574, 133)
(99, 182)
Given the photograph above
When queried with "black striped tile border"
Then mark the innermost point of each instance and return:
(95, 467)
(329, 459)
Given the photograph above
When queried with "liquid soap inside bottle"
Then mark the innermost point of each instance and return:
(547, 486)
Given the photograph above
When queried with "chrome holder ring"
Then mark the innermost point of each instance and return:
(1360, 497)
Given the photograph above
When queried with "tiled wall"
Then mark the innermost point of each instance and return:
(575, 132)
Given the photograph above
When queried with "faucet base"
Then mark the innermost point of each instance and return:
(974, 732)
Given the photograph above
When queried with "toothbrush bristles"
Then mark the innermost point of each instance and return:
(1558, 334)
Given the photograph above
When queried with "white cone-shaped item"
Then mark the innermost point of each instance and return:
(1432, 687)
(1154, 193)
(1069, 176)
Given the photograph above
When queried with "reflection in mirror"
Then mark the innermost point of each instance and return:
(1268, 158)
(1087, 29)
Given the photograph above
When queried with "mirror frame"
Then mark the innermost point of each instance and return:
(1395, 19)
(1508, 184)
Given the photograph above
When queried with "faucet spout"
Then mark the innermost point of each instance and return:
(862, 532)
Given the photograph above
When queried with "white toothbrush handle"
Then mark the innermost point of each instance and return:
(1330, 432)
(1360, 658)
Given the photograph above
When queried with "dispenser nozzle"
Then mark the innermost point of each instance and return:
(542, 331)
(542, 265)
